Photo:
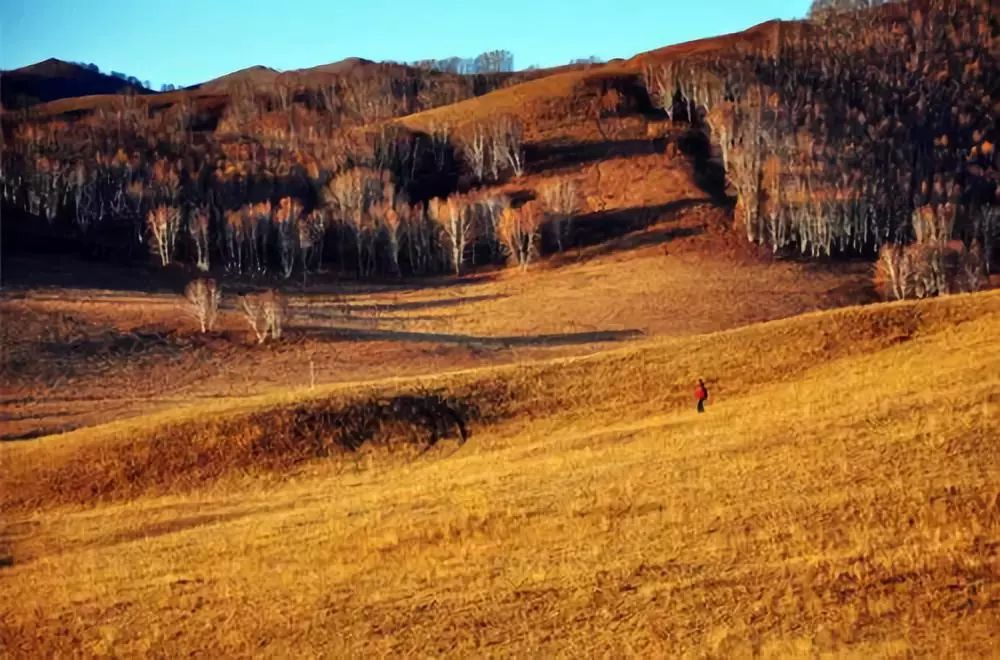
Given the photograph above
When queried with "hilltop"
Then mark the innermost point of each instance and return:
(54, 79)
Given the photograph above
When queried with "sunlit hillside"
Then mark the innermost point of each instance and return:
(840, 495)
(407, 358)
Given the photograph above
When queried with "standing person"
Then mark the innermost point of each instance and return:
(701, 393)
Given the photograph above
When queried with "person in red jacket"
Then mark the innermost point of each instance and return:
(701, 393)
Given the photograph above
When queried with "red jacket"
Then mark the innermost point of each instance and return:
(701, 393)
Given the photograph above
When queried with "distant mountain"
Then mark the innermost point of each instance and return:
(256, 75)
(55, 79)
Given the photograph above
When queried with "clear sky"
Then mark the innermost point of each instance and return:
(189, 41)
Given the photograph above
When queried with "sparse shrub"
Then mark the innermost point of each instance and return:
(265, 312)
(204, 297)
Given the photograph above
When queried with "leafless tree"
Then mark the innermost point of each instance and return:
(489, 209)
(311, 229)
(893, 271)
(440, 134)
(473, 142)
(560, 199)
(346, 195)
(973, 274)
(507, 150)
(163, 223)
(266, 313)
(456, 225)
(198, 228)
(417, 234)
(286, 219)
(204, 296)
(520, 230)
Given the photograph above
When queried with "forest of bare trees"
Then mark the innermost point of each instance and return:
(275, 203)
(878, 128)
(868, 132)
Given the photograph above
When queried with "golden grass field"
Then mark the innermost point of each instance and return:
(840, 497)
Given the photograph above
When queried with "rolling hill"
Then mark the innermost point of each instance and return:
(54, 79)
(838, 497)
(476, 433)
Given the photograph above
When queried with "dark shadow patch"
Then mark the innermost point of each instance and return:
(604, 226)
(391, 307)
(709, 174)
(473, 341)
(555, 156)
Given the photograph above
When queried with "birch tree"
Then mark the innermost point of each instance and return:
(456, 225)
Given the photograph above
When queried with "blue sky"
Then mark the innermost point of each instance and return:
(189, 41)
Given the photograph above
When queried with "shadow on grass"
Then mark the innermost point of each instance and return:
(555, 156)
(561, 339)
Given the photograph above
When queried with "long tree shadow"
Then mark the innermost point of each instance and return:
(556, 155)
(561, 339)
(604, 226)
(320, 304)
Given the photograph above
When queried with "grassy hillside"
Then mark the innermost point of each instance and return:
(79, 353)
(839, 496)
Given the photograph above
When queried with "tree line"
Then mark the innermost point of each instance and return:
(372, 201)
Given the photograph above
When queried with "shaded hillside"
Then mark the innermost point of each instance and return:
(54, 79)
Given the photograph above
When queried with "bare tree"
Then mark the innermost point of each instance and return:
(893, 272)
(456, 224)
(204, 296)
(519, 231)
(489, 210)
(198, 228)
(393, 218)
(661, 83)
(560, 199)
(440, 133)
(346, 196)
(473, 143)
(973, 274)
(507, 149)
(417, 234)
(88, 205)
(286, 219)
(311, 229)
(266, 313)
(163, 223)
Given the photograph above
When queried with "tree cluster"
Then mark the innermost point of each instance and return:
(494, 61)
(840, 138)
(373, 201)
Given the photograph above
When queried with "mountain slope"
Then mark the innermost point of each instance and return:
(54, 79)
(839, 497)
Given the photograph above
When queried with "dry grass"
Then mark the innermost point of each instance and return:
(78, 357)
(839, 497)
